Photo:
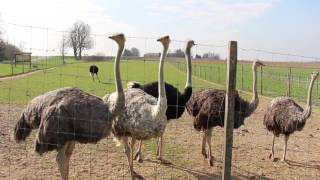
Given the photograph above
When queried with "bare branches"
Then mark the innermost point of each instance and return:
(79, 38)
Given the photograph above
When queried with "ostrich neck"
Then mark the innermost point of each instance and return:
(189, 67)
(119, 88)
(162, 91)
(162, 101)
(307, 110)
(255, 100)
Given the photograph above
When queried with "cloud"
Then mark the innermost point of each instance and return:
(213, 11)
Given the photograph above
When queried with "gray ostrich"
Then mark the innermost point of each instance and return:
(144, 116)
(285, 116)
(69, 115)
(176, 100)
(207, 108)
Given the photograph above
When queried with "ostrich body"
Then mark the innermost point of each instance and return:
(93, 69)
(144, 115)
(66, 116)
(176, 101)
(207, 109)
(285, 116)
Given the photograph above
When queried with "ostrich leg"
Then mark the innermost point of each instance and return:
(63, 158)
(272, 148)
(138, 155)
(204, 140)
(210, 158)
(92, 75)
(128, 152)
(286, 137)
(98, 77)
(160, 151)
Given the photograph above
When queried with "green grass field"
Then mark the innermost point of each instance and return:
(74, 73)
(23, 89)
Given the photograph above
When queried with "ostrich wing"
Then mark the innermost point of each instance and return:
(284, 115)
(138, 120)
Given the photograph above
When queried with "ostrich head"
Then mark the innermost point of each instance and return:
(190, 44)
(165, 40)
(119, 38)
(256, 64)
(314, 75)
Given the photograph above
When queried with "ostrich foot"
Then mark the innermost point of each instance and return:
(210, 160)
(137, 176)
(164, 161)
(138, 157)
(271, 156)
(204, 153)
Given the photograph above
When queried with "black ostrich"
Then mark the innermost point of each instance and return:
(94, 71)
(69, 115)
(207, 109)
(175, 100)
(285, 116)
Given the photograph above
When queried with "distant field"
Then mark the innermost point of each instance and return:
(8, 69)
(274, 76)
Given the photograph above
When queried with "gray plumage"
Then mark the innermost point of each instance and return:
(68, 115)
(137, 120)
(62, 115)
(144, 115)
(285, 116)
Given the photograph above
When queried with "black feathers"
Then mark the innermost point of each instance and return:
(175, 100)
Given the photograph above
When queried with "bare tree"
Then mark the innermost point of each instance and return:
(79, 38)
(63, 44)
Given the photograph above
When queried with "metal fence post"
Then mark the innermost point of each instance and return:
(242, 76)
(229, 108)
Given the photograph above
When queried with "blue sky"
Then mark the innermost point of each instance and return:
(276, 25)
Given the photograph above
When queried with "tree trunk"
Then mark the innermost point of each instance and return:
(80, 51)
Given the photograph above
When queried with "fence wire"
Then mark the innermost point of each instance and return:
(284, 74)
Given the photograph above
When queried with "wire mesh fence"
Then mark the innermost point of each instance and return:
(284, 74)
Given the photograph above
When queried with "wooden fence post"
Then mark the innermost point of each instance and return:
(229, 109)
(289, 82)
(261, 82)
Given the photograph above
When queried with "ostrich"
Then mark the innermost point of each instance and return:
(207, 108)
(69, 115)
(175, 100)
(144, 115)
(94, 71)
(285, 116)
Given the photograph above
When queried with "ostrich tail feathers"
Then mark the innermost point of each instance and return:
(133, 84)
(117, 141)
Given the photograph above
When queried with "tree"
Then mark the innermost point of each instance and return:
(135, 52)
(211, 55)
(63, 44)
(127, 53)
(79, 38)
(198, 56)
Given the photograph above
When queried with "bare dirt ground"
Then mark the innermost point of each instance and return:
(16, 76)
(106, 161)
